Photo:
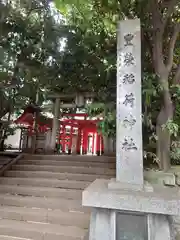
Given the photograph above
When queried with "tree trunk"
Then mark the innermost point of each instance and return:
(164, 137)
(163, 147)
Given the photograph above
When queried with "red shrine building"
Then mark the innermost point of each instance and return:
(76, 133)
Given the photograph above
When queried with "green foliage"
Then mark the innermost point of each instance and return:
(33, 59)
(31, 41)
(10, 131)
(89, 64)
(101, 20)
(31, 55)
(172, 127)
(175, 152)
(107, 125)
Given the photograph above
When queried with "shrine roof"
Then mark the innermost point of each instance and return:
(27, 118)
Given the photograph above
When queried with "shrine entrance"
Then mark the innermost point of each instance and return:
(77, 134)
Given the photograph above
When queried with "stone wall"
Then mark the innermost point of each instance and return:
(170, 179)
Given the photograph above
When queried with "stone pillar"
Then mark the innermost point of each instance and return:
(98, 145)
(129, 154)
(114, 145)
(55, 124)
(79, 100)
(108, 145)
(135, 210)
(48, 139)
(74, 145)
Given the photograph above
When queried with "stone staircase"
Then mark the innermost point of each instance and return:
(40, 197)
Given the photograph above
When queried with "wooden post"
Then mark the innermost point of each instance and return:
(70, 141)
(78, 146)
(102, 145)
(93, 136)
(98, 145)
(63, 138)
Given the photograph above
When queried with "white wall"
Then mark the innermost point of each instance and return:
(14, 140)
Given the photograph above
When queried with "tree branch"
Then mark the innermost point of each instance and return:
(148, 40)
(158, 30)
(156, 15)
(172, 43)
(170, 7)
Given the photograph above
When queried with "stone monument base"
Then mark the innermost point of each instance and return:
(130, 214)
(116, 185)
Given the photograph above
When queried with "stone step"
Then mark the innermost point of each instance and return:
(40, 197)
(47, 203)
(64, 169)
(45, 182)
(45, 216)
(41, 191)
(72, 158)
(38, 231)
(56, 175)
(13, 238)
(67, 163)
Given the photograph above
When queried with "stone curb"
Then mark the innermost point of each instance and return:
(177, 175)
(166, 179)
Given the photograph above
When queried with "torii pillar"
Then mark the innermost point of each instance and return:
(55, 125)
